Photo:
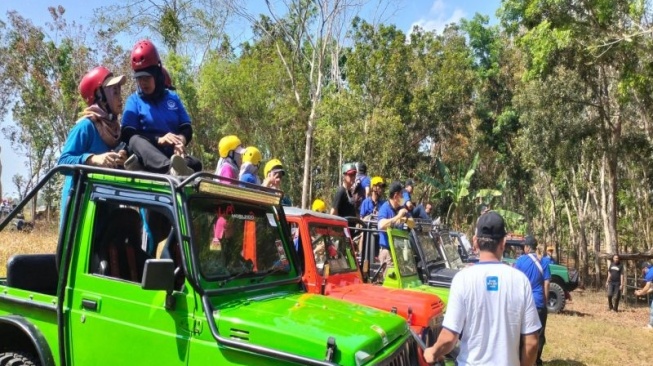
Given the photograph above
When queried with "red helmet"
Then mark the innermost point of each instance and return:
(167, 81)
(91, 82)
(144, 54)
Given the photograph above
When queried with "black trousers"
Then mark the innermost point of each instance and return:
(542, 314)
(614, 292)
(155, 159)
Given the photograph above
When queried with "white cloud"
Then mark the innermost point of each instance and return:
(438, 17)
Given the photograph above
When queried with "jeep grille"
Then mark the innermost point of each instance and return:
(404, 356)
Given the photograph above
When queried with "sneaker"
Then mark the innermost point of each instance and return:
(178, 167)
(132, 163)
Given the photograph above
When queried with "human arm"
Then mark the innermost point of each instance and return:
(644, 290)
(623, 279)
(335, 203)
(528, 350)
(385, 223)
(82, 147)
(445, 344)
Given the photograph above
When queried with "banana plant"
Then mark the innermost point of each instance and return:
(454, 187)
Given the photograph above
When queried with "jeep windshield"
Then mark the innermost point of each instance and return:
(332, 245)
(451, 251)
(405, 257)
(431, 253)
(234, 240)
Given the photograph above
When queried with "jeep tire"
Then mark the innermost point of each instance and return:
(17, 359)
(556, 298)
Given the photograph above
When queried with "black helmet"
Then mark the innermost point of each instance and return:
(361, 168)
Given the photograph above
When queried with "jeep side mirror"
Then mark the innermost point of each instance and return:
(159, 274)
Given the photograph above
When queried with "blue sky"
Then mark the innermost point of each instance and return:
(428, 14)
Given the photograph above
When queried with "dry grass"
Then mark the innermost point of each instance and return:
(584, 334)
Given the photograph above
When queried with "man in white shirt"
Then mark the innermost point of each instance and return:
(491, 305)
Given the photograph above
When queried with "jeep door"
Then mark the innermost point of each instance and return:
(110, 319)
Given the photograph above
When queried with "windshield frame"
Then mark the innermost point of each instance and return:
(234, 282)
(429, 246)
(345, 262)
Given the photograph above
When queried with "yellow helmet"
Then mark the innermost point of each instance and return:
(252, 155)
(273, 165)
(319, 205)
(377, 180)
(228, 144)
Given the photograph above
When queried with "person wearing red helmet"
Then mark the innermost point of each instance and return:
(94, 137)
(155, 124)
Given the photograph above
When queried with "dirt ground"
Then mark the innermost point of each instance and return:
(586, 333)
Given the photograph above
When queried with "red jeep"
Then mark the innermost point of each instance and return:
(326, 250)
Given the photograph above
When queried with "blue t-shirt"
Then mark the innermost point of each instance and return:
(365, 181)
(249, 178)
(386, 212)
(406, 196)
(83, 141)
(649, 275)
(546, 260)
(367, 207)
(526, 264)
(153, 119)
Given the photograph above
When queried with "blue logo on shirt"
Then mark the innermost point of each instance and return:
(492, 283)
(171, 105)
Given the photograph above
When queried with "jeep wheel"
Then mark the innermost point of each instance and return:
(556, 298)
(17, 359)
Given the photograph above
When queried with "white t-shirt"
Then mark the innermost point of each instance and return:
(492, 305)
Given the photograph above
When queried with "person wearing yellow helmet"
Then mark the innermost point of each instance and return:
(231, 153)
(249, 168)
(273, 172)
(371, 204)
(319, 206)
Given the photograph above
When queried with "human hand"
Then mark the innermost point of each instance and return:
(429, 355)
(638, 293)
(108, 159)
(402, 212)
(180, 150)
(171, 139)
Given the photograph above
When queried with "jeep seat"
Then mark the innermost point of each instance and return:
(33, 272)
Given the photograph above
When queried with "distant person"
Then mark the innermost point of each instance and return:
(363, 181)
(155, 124)
(343, 203)
(97, 133)
(407, 195)
(539, 276)
(231, 153)
(615, 282)
(491, 308)
(648, 288)
(249, 168)
(274, 173)
(547, 257)
(371, 204)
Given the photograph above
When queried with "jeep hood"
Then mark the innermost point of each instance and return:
(302, 324)
(424, 306)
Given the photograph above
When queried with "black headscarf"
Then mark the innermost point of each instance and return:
(159, 82)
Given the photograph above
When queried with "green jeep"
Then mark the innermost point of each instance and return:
(563, 279)
(153, 270)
